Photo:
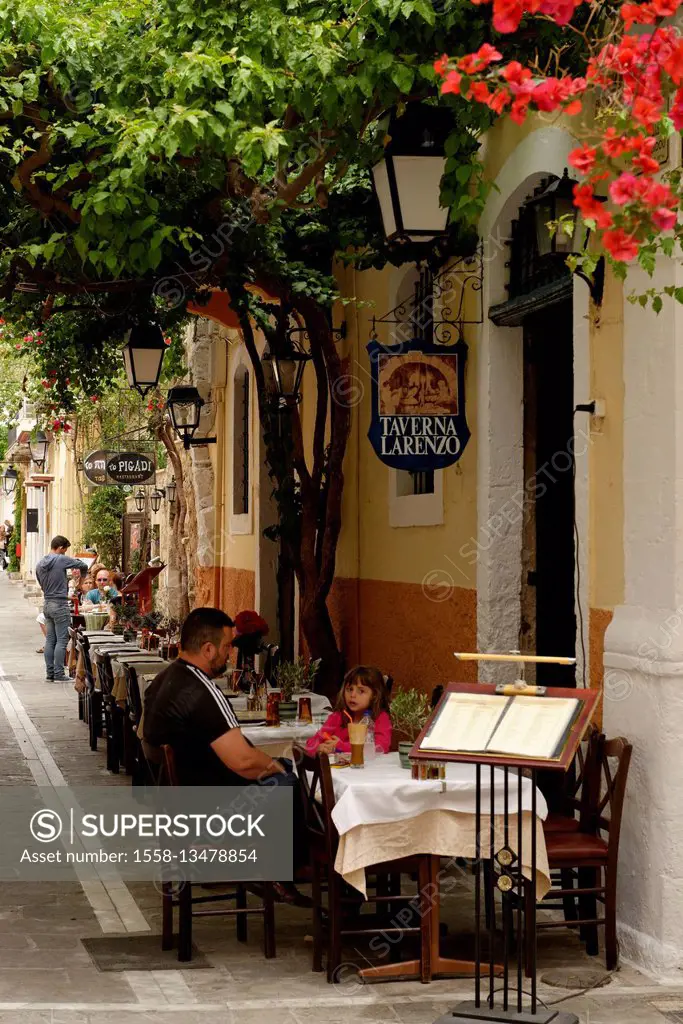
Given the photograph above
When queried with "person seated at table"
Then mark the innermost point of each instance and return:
(184, 708)
(363, 690)
(103, 591)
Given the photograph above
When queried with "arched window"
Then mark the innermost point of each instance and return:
(240, 443)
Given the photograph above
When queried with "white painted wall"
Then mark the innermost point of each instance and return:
(644, 642)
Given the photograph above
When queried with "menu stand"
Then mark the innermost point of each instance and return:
(494, 847)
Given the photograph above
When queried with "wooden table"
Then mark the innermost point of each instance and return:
(381, 814)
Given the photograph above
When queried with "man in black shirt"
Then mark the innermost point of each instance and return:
(185, 709)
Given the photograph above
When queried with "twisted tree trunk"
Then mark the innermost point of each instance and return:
(308, 492)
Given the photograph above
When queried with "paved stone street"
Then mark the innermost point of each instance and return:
(47, 975)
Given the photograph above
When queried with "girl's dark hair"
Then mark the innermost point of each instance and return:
(369, 676)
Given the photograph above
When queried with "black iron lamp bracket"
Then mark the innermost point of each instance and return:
(197, 442)
(444, 294)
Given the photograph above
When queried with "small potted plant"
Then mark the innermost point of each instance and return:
(127, 620)
(409, 710)
(293, 678)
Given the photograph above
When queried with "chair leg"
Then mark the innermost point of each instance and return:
(268, 921)
(611, 945)
(588, 910)
(167, 916)
(568, 902)
(241, 919)
(334, 946)
(318, 938)
(92, 722)
(185, 922)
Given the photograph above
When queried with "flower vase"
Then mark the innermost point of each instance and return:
(289, 710)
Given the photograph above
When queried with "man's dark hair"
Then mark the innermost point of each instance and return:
(59, 542)
(203, 626)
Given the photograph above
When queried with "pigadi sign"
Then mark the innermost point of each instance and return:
(108, 467)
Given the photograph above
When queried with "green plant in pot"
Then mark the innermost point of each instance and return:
(409, 710)
(128, 620)
(292, 678)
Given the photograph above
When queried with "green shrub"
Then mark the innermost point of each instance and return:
(104, 511)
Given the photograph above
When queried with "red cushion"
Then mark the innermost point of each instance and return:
(572, 848)
(560, 823)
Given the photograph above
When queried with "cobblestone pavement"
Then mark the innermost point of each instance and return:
(48, 977)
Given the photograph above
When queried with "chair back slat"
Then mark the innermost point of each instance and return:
(84, 647)
(317, 792)
(615, 763)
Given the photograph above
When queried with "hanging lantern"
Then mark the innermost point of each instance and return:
(286, 373)
(185, 407)
(155, 499)
(9, 480)
(407, 179)
(37, 446)
(553, 203)
(171, 491)
(143, 355)
(140, 499)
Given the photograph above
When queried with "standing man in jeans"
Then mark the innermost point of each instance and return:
(51, 575)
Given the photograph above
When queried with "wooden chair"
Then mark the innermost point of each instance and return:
(93, 696)
(583, 785)
(331, 925)
(590, 853)
(183, 899)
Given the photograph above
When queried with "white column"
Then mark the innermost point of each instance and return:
(644, 643)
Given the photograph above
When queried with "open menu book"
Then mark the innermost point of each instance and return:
(534, 727)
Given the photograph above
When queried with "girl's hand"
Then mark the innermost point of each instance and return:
(328, 747)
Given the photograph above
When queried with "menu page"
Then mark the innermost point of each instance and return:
(466, 722)
(534, 726)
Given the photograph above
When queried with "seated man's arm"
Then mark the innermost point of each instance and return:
(243, 759)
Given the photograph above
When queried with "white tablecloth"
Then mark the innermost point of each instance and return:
(382, 814)
(290, 732)
(382, 791)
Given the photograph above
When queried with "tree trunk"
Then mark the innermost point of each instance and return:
(178, 550)
(308, 491)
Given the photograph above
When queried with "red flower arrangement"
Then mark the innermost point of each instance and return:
(251, 629)
(248, 623)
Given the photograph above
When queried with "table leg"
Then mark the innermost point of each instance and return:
(435, 966)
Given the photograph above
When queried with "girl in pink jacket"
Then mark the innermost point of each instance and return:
(363, 690)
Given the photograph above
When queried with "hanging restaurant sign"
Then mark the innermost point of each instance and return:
(95, 466)
(418, 404)
(130, 468)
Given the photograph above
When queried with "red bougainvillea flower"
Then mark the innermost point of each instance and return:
(441, 64)
(480, 60)
(452, 82)
(583, 159)
(621, 247)
(167, 341)
(507, 15)
(249, 622)
(591, 208)
(515, 73)
(625, 189)
(18, 345)
(664, 219)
